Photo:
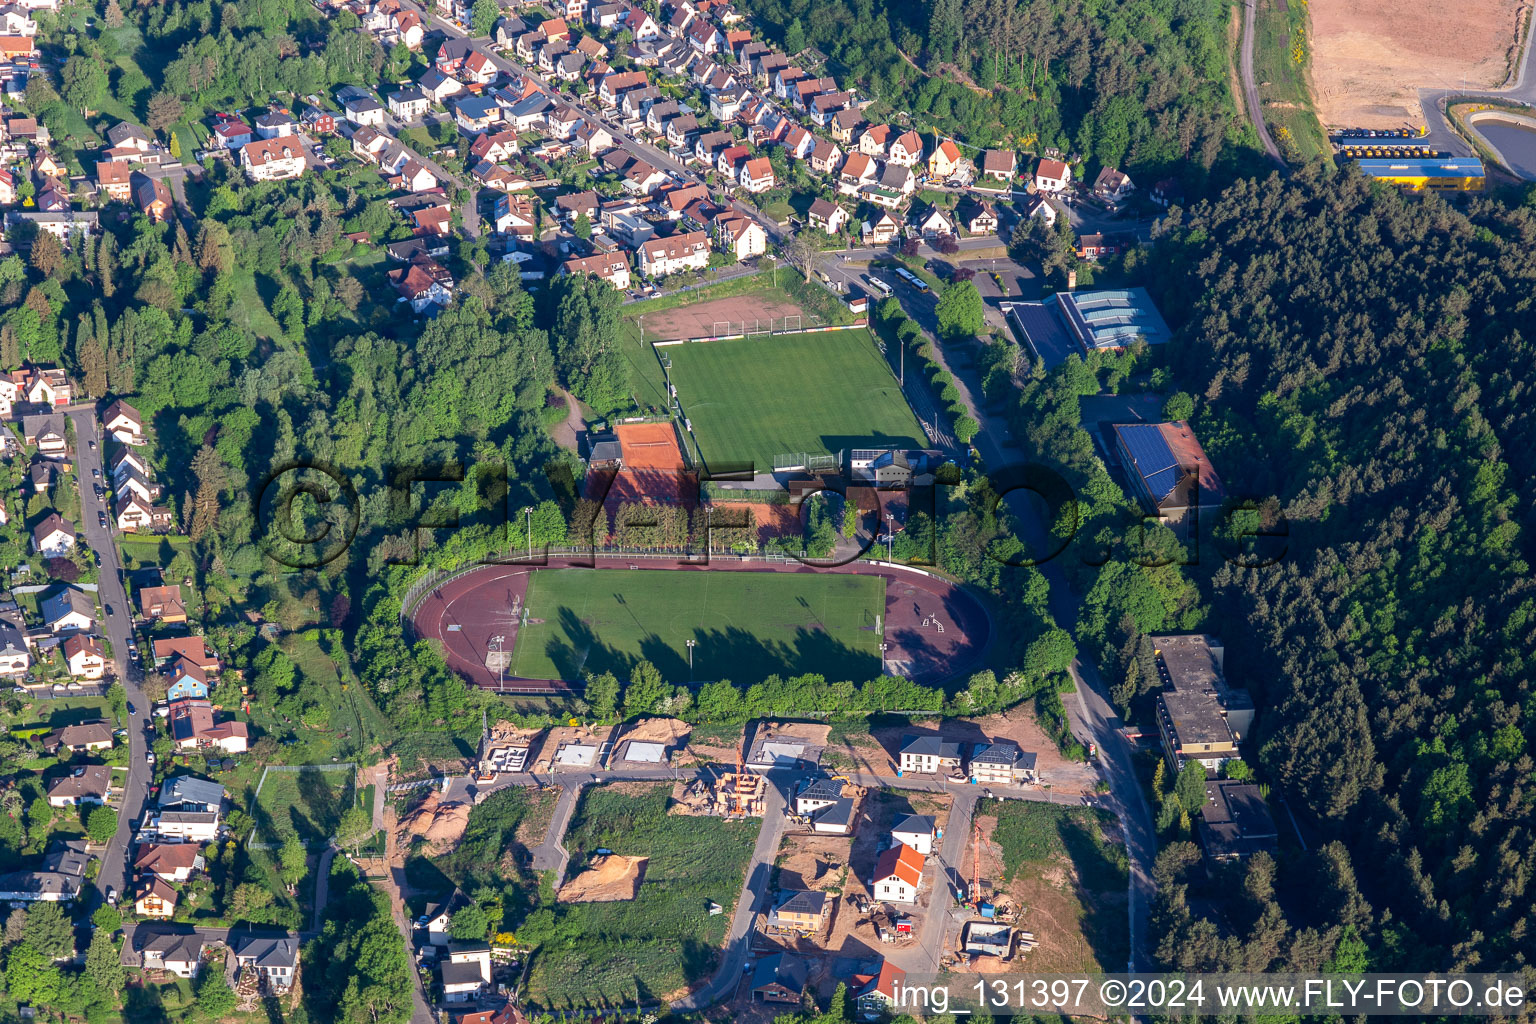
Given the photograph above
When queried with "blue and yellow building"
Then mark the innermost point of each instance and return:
(1427, 174)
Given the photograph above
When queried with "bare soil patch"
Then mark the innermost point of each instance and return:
(611, 878)
(1370, 57)
(440, 824)
(587, 735)
(700, 320)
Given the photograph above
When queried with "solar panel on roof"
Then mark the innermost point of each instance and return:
(1153, 458)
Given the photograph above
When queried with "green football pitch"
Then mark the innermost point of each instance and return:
(763, 397)
(746, 625)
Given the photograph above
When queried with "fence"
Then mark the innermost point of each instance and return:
(346, 766)
(737, 335)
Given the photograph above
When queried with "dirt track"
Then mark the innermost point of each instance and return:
(702, 319)
(468, 613)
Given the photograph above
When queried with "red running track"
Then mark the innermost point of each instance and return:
(934, 629)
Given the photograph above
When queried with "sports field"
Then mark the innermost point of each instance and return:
(747, 626)
(762, 397)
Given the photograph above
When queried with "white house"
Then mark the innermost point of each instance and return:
(928, 754)
(1052, 176)
(274, 159)
(898, 874)
(54, 537)
(916, 831)
(686, 251)
(408, 104)
(88, 784)
(123, 424)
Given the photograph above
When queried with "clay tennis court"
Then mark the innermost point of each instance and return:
(763, 310)
(933, 629)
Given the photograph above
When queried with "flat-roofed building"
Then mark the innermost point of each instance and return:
(1200, 717)
(1235, 821)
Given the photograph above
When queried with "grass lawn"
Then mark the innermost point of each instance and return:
(1068, 867)
(304, 801)
(1280, 33)
(249, 311)
(140, 550)
(747, 625)
(652, 947)
(760, 398)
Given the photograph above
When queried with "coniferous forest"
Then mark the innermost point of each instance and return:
(1364, 358)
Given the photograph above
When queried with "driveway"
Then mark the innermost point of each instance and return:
(1251, 88)
(117, 625)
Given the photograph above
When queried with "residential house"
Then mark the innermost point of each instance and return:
(1235, 822)
(476, 114)
(844, 124)
(999, 164)
(85, 657)
(1168, 192)
(616, 84)
(321, 122)
(800, 910)
(417, 284)
(14, 21)
(858, 171)
(47, 385)
(917, 831)
(1096, 246)
(877, 995)
(898, 873)
(979, 219)
(729, 159)
(188, 792)
(928, 755)
(414, 177)
(467, 972)
(408, 104)
(1002, 764)
(1052, 176)
(635, 102)
(233, 134)
(274, 159)
(876, 139)
(641, 25)
(704, 37)
(884, 230)
(726, 104)
(740, 237)
(640, 178)
(136, 514)
(87, 784)
(756, 175)
(779, 978)
(112, 179)
(494, 147)
(80, 739)
(363, 110)
(438, 916)
(611, 267)
(816, 794)
(154, 898)
(568, 67)
(369, 144)
(46, 432)
(151, 196)
(15, 658)
(906, 150)
(180, 953)
(685, 251)
(945, 161)
(276, 124)
(659, 113)
(272, 958)
(824, 105)
(193, 649)
(1113, 186)
(576, 204)
(185, 681)
(54, 537)
(834, 819)
(162, 604)
(438, 86)
(193, 726)
(828, 217)
(122, 423)
(798, 142)
(826, 157)
(935, 223)
(1039, 206)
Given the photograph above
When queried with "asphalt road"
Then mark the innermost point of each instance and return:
(118, 626)
(1251, 88)
(1093, 716)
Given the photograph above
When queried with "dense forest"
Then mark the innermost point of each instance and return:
(1142, 86)
(1365, 358)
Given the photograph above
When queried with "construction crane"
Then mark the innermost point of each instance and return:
(975, 900)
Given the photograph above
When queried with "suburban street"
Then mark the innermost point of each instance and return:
(117, 626)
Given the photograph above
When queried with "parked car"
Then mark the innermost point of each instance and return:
(131, 709)
(149, 757)
(93, 446)
(111, 891)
